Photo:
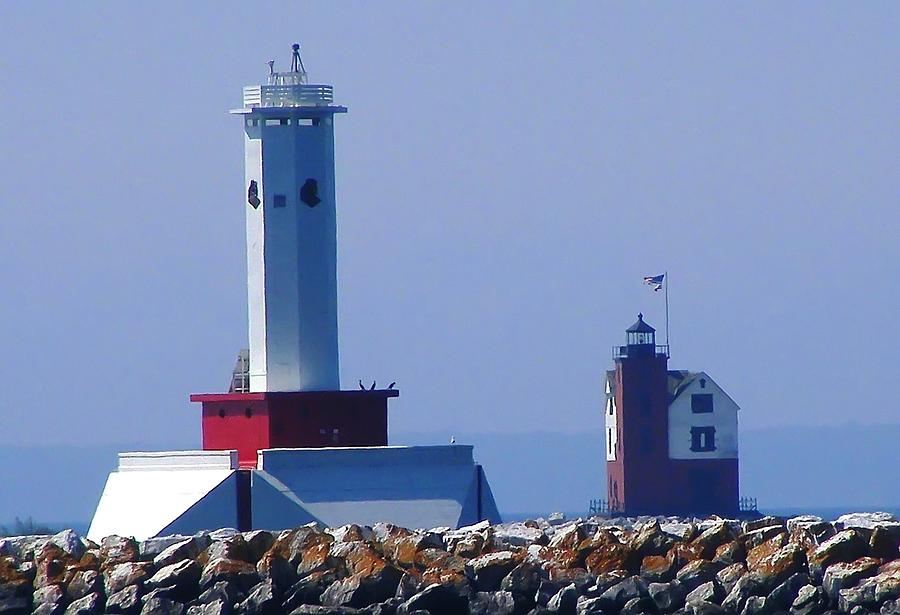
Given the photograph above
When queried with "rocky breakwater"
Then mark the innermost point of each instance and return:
(804, 566)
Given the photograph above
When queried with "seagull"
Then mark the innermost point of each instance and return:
(452, 440)
(392, 385)
(362, 387)
(373, 386)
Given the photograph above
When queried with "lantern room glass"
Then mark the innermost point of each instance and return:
(641, 338)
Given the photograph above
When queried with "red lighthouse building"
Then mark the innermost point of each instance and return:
(671, 436)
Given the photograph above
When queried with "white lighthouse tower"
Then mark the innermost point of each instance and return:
(294, 448)
(291, 232)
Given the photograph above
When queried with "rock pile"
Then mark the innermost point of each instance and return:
(803, 566)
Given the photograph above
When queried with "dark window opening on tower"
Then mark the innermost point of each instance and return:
(253, 194)
(703, 439)
(279, 200)
(309, 192)
(701, 402)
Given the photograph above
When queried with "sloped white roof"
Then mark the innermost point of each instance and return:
(416, 486)
(151, 490)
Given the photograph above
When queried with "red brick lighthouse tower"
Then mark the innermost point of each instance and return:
(671, 436)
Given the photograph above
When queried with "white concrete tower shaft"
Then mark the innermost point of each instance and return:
(291, 234)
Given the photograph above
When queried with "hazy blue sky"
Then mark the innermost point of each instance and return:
(507, 173)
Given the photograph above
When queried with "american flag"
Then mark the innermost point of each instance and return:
(656, 281)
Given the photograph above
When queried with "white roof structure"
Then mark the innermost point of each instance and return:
(184, 492)
(410, 486)
(151, 492)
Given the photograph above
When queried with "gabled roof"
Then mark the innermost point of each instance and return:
(677, 381)
(640, 326)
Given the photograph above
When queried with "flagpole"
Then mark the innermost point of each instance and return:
(668, 348)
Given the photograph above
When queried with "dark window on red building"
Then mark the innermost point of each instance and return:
(703, 439)
(701, 402)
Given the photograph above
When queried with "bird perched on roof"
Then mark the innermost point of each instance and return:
(373, 386)
(391, 386)
(362, 387)
(452, 440)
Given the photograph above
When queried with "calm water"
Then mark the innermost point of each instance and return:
(828, 513)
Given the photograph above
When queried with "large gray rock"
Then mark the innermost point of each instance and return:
(70, 543)
(751, 584)
(845, 546)
(861, 596)
(83, 583)
(757, 605)
(189, 548)
(224, 591)
(242, 574)
(49, 608)
(182, 577)
(651, 540)
(263, 600)
(523, 582)
(784, 594)
(668, 597)
(707, 608)
(119, 550)
(437, 600)
(802, 522)
(810, 600)
(350, 592)
(89, 605)
(258, 542)
(22, 547)
(120, 576)
(518, 535)
(616, 596)
(844, 575)
(49, 594)
(487, 571)
(216, 607)
(768, 521)
(710, 591)
(159, 603)
(866, 520)
(152, 547)
(697, 573)
(492, 603)
(590, 606)
(15, 605)
(564, 601)
(230, 547)
(127, 601)
(308, 590)
(546, 590)
(730, 575)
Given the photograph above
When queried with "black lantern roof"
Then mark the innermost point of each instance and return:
(640, 326)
